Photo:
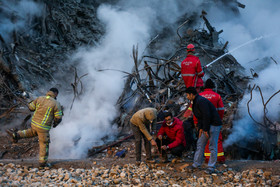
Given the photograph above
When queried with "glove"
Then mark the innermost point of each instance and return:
(56, 122)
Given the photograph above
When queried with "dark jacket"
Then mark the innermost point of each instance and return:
(175, 133)
(206, 113)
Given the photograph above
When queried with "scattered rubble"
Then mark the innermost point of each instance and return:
(132, 175)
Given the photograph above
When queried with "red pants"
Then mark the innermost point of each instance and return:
(221, 155)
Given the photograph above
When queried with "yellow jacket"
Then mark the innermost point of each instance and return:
(143, 118)
(46, 109)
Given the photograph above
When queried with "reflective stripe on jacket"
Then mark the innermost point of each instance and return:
(190, 68)
(46, 109)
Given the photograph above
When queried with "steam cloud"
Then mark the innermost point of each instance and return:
(135, 22)
(128, 23)
(17, 15)
(259, 18)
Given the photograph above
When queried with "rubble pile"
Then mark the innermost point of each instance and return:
(37, 54)
(131, 175)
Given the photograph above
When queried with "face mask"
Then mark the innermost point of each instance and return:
(169, 124)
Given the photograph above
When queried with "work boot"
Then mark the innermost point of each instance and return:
(14, 135)
(137, 163)
(44, 165)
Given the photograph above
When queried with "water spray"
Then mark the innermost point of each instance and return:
(251, 41)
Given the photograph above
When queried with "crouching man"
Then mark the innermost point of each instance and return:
(171, 137)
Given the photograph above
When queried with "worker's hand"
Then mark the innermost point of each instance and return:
(206, 134)
(153, 142)
(200, 133)
(160, 137)
(164, 147)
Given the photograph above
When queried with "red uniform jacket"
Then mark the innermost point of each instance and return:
(175, 133)
(215, 99)
(190, 69)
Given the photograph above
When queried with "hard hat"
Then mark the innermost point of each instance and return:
(190, 47)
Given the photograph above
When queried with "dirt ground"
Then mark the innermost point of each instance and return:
(25, 153)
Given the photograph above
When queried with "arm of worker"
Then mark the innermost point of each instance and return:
(179, 138)
(206, 116)
(199, 70)
(57, 115)
(32, 105)
(220, 108)
(145, 131)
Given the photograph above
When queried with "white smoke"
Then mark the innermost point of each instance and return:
(17, 15)
(258, 19)
(128, 23)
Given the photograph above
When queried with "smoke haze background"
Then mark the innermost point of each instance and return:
(259, 18)
(130, 23)
(135, 22)
(127, 23)
(17, 15)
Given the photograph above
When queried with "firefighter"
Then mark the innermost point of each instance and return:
(171, 137)
(209, 126)
(216, 100)
(47, 111)
(191, 70)
(141, 124)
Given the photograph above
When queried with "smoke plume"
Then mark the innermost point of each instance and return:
(127, 23)
(258, 19)
(17, 16)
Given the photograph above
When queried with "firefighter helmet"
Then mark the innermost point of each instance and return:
(190, 47)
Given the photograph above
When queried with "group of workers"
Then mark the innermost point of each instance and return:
(206, 109)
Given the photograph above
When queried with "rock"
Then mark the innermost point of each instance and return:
(267, 174)
(123, 175)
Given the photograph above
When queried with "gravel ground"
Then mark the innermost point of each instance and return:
(123, 172)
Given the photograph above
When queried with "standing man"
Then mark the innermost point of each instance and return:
(173, 130)
(217, 101)
(47, 111)
(209, 126)
(140, 125)
(191, 70)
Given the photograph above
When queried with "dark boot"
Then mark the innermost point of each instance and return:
(13, 134)
(44, 166)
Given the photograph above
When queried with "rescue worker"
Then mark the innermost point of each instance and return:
(191, 70)
(141, 124)
(171, 137)
(217, 101)
(209, 126)
(47, 111)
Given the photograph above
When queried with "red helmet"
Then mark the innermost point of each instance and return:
(190, 47)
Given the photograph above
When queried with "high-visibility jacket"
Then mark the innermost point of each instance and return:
(143, 118)
(191, 71)
(175, 133)
(46, 109)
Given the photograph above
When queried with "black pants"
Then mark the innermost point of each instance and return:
(138, 135)
(177, 151)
